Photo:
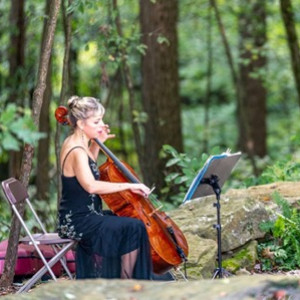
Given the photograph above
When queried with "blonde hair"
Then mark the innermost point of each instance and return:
(81, 108)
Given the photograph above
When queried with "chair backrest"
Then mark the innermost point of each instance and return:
(14, 190)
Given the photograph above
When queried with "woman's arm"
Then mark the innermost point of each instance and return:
(94, 149)
(86, 179)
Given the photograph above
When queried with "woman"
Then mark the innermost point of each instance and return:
(108, 246)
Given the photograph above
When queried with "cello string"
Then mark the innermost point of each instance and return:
(153, 198)
(152, 189)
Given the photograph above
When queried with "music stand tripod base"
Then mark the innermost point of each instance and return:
(213, 182)
(208, 182)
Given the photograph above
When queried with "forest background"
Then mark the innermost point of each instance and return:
(180, 80)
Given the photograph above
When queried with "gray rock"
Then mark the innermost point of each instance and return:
(242, 212)
(233, 288)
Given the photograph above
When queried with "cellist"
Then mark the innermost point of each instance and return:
(108, 246)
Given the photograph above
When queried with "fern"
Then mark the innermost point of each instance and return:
(282, 170)
(284, 249)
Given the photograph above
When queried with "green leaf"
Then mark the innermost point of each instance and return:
(139, 116)
(172, 177)
(170, 150)
(9, 114)
(162, 39)
(9, 142)
(142, 48)
(181, 179)
(172, 162)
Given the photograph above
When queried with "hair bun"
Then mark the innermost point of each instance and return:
(73, 101)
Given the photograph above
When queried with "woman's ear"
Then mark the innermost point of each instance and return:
(80, 124)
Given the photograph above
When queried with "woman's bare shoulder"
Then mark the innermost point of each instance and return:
(69, 145)
(72, 154)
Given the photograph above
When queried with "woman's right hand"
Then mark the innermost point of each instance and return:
(140, 189)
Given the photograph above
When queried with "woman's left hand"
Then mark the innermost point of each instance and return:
(105, 134)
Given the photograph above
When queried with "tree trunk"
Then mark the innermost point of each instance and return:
(118, 82)
(241, 113)
(290, 28)
(43, 164)
(11, 254)
(73, 72)
(209, 81)
(64, 90)
(252, 25)
(226, 45)
(160, 85)
(16, 57)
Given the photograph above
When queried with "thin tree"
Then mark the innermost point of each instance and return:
(43, 164)
(287, 14)
(252, 29)
(209, 81)
(11, 255)
(129, 86)
(64, 87)
(16, 57)
(241, 113)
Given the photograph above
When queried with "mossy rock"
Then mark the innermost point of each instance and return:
(245, 258)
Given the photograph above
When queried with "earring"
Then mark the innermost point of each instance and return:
(82, 136)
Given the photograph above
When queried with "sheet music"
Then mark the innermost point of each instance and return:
(220, 165)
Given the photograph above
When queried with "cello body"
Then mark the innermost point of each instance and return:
(164, 245)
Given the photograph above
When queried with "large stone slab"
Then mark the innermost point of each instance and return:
(233, 288)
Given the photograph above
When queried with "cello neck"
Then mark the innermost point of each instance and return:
(117, 162)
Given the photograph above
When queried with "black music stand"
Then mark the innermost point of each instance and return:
(209, 181)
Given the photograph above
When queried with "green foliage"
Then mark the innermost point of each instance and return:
(183, 170)
(273, 257)
(162, 39)
(81, 6)
(17, 127)
(282, 251)
(286, 169)
(282, 170)
(47, 213)
(5, 220)
(221, 129)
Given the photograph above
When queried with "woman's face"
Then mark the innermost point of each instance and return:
(94, 126)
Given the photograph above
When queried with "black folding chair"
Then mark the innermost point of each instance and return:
(15, 192)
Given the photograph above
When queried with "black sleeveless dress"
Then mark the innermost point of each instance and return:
(102, 238)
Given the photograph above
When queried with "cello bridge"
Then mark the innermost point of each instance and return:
(154, 211)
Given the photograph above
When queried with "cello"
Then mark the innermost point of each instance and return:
(168, 245)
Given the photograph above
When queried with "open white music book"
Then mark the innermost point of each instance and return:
(220, 165)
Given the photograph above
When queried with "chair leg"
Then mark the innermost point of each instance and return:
(63, 262)
(44, 269)
(34, 242)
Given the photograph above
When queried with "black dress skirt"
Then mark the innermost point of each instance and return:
(102, 239)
